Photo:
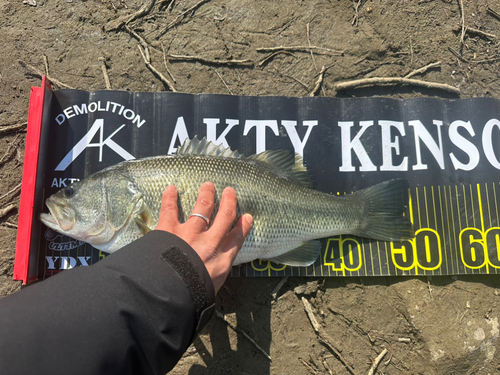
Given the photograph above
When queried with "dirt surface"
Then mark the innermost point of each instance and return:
(444, 325)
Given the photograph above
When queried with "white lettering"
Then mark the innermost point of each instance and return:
(388, 146)
(128, 114)
(93, 107)
(212, 123)
(51, 262)
(422, 134)
(463, 144)
(138, 122)
(260, 130)
(69, 112)
(291, 130)
(355, 145)
(180, 132)
(114, 106)
(99, 108)
(60, 119)
(488, 142)
(82, 110)
(83, 261)
(67, 263)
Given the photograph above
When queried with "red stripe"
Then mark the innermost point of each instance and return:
(35, 115)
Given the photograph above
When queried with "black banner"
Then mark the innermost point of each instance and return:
(448, 150)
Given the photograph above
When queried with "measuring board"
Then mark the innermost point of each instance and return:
(448, 150)
(456, 233)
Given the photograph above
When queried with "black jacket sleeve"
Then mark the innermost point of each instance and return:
(134, 312)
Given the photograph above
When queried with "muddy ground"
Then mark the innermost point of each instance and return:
(443, 325)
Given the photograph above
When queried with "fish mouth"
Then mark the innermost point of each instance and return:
(59, 218)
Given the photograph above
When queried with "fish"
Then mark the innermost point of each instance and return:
(121, 203)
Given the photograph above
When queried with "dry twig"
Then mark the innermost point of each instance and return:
(309, 44)
(356, 14)
(154, 70)
(147, 59)
(457, 55)
(271, 55)
(377, 361)
(9, 225)
(324, 338)
(46, 63)
(8, 153)
(223, 317)
(104, 69)
(165, 61)
(319, 82)
(392, 81)
(423, 69)
(15, 190)
(493, 13)
(311, 369)
(180, 17)
(5, 211)
(463, 22)
(307, 49)
(11, 128)
(227, 87)
(472, 30)
(209, 61)
(298, 81)
(278, 287)
(40, 74)
(325, 364)
(124, 20)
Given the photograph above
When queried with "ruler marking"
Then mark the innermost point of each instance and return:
(480, 204)
(448, 222)
(444, 231)
(459, 222)
(488, 203)
(496, 204)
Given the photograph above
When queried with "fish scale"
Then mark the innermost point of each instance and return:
(272, 186)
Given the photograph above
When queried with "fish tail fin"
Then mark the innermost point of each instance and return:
(385, 204)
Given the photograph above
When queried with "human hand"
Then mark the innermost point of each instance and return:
(217, 246)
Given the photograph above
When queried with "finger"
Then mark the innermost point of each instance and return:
(235, 239)
(227, 214)
(169, 212)
(204, 206)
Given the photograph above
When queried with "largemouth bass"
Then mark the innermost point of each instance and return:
(119, 204)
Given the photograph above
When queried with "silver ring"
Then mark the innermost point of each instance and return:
(203, 217)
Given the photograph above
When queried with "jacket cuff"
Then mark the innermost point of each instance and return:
(191, 269)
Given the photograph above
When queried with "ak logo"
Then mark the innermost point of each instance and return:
(86, 142)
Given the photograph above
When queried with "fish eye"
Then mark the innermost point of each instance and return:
(69, 191)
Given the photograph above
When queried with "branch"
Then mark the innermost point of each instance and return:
(123, 20)
(10, 128)
(392, 81)
(41, 74)
(324, 338)
(315, 49)
(208, 61)
(179, 18)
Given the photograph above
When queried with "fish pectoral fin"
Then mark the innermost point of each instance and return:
(139, 220)
(144, 219)
(302, 256)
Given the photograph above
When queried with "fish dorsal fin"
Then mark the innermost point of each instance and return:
(282, 160)
(277, 159)
(195, 146)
